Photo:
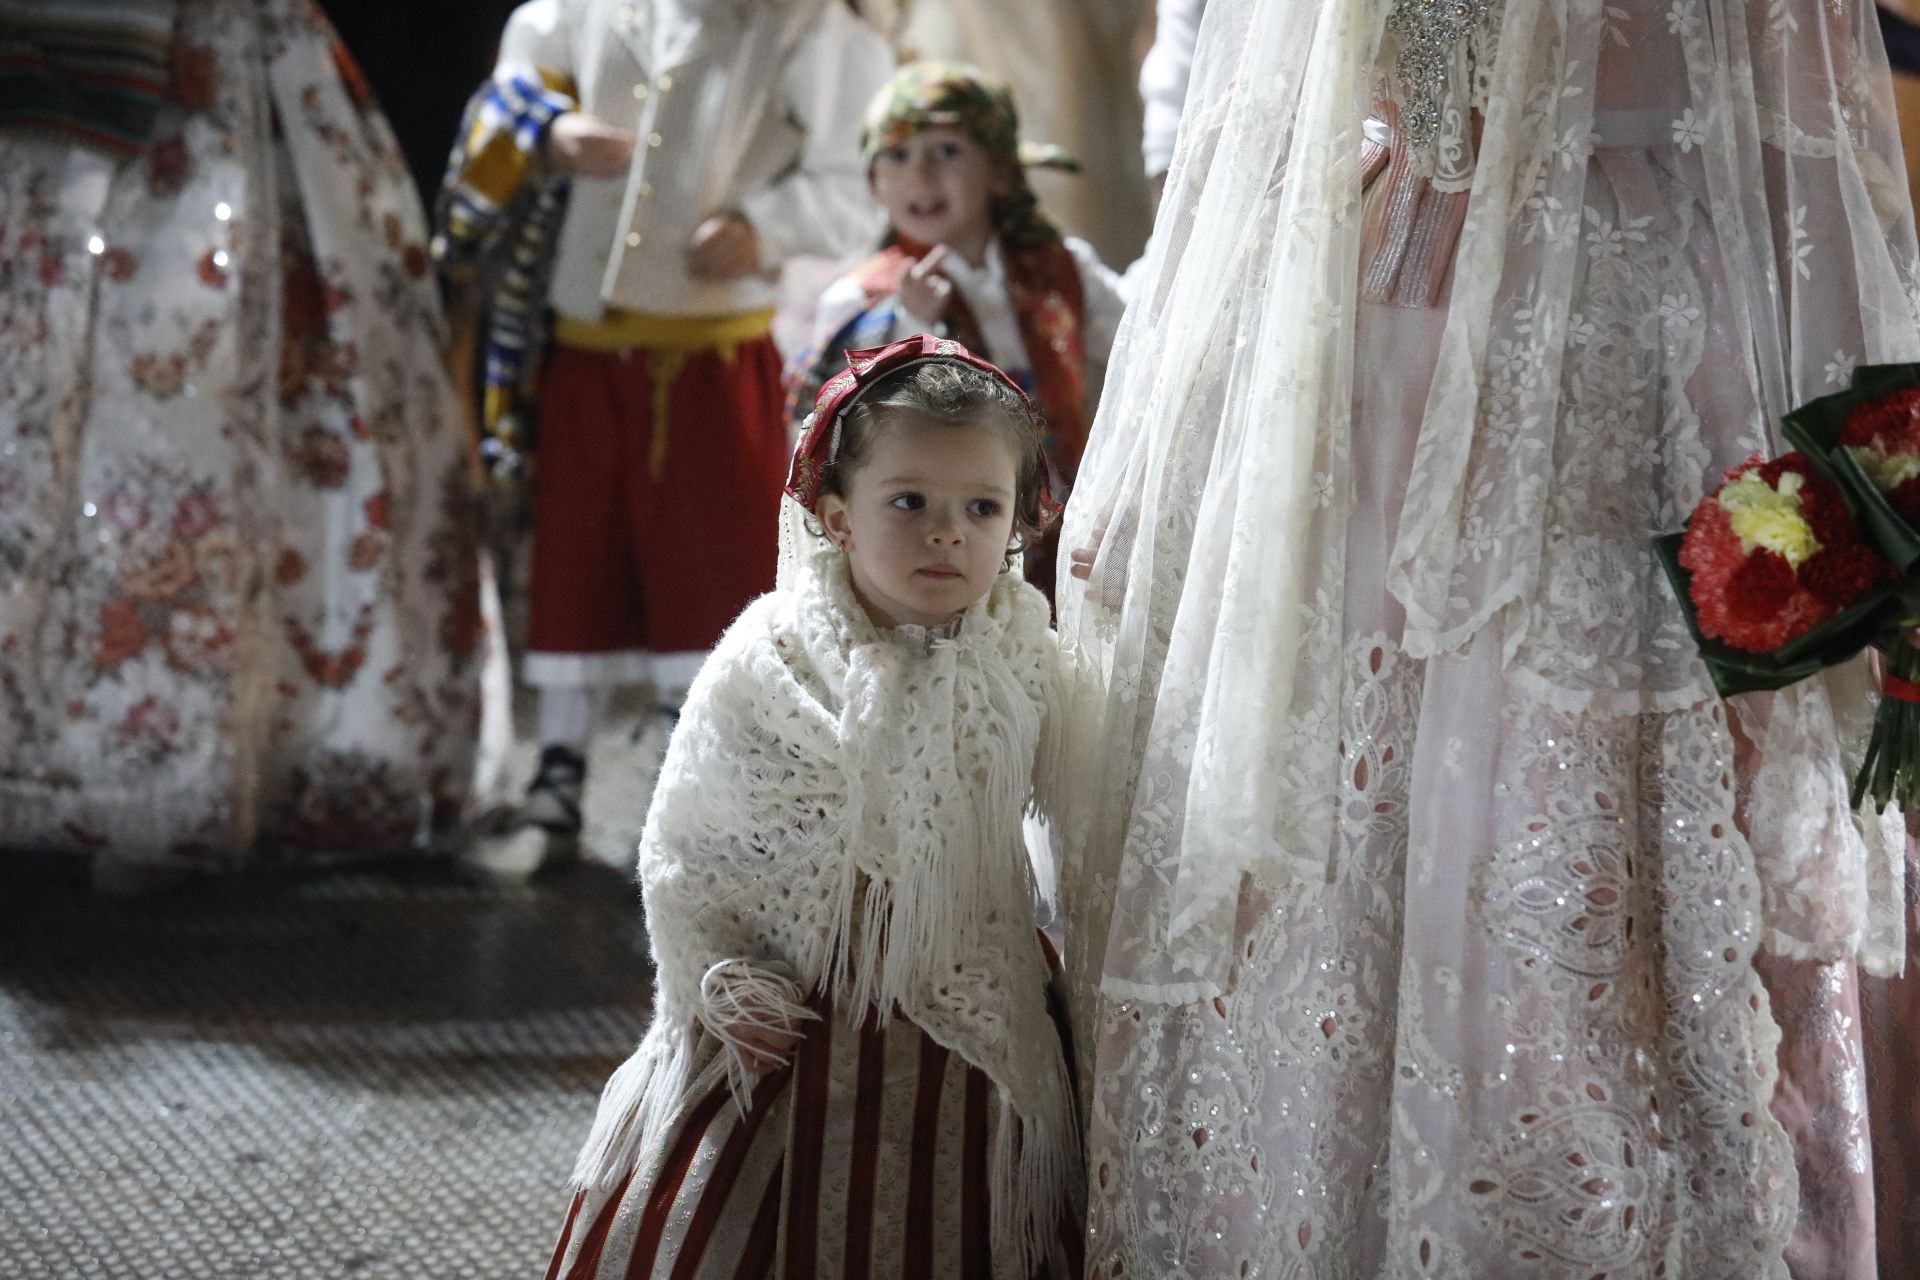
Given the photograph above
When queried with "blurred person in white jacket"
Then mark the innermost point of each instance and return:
(703, 144)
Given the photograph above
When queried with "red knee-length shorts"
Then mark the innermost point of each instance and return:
(656, 497)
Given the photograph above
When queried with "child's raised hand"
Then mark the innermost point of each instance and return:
(724, 247)
(588, 148)
(925, 294)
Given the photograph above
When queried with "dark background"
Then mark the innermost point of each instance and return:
(423, 58)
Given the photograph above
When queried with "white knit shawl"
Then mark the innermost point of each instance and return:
(841, 805)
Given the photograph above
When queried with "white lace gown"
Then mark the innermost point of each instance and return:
(1421, 875)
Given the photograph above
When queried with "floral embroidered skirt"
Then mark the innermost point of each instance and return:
(866, 1157)
(239, 598)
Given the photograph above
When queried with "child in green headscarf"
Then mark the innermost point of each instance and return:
(969, 255)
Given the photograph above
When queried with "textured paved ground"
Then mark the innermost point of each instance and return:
(377, 1073)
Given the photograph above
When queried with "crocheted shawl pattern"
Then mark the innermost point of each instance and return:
(840, 810)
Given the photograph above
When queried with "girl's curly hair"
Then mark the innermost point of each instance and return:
(953, 393)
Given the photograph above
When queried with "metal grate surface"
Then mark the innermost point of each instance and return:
(381, 1072)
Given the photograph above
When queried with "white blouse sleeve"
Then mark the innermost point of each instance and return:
(821, 205)
(1163, 80)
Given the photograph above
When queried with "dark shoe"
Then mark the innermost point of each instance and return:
(553, 801)
(544, 830)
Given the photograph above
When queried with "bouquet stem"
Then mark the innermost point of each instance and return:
(1891, 770)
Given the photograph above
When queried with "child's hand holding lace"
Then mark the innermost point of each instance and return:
(1082, 559)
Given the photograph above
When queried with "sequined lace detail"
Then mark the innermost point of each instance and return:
(1431, 33)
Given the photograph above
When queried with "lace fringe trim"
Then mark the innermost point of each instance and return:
(1876, 958)
(643, 1099)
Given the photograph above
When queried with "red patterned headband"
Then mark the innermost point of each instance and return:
(820, 438)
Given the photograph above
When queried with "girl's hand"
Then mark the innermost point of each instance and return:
(1082, 558)
(587, 148)
(725, 247)
(761, 1049)
(925, 294)
(755, 1011)
(1111, 592)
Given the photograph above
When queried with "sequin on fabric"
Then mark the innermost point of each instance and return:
(1430, 31)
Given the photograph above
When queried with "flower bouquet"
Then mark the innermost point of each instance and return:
(1796, 564)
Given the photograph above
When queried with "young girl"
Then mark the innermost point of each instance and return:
(853, 1069)
(970, 256)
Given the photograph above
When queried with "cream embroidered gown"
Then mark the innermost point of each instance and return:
(239, 607)
(1420, 874)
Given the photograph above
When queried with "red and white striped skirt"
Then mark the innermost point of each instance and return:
(865, 1159)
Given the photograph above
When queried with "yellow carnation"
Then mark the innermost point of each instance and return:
(1887, 471)
(1769, 518)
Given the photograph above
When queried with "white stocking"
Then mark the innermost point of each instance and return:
(569, 715)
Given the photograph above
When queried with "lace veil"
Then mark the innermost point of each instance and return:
(1747, 147)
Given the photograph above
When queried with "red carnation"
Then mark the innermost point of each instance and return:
(1795, 462)
(1891, 416)
(1825, 511)
(1749, 600)
(1840, 574)
(1760, 587)
(1711, 548)
(1905, 498)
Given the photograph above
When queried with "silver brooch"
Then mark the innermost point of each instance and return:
(1429, 31)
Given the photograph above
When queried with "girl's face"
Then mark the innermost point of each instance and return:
(926, 520)
(938, 188)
